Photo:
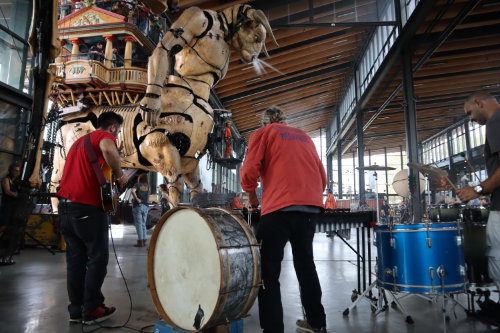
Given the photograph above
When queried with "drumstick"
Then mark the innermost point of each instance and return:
(447, 179)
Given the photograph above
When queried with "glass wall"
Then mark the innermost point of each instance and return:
(15, 19)
(14, 56)
(435, 150)
(12, 134)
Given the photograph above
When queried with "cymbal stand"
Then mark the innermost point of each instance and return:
(378, 305)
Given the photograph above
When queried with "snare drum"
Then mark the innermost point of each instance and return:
(203, 267)
(420, 259)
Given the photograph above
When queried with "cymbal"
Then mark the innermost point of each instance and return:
(375, 168)
(427, 169)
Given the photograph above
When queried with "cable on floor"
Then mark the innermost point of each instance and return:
(140, 330)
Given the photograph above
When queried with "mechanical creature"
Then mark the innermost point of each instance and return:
(167, 132)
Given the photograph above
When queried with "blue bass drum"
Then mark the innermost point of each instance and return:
(421, 259)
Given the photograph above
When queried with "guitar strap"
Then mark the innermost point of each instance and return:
(93, 160)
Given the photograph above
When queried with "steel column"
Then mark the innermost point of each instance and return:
(339, 166)
(361, 158)
(410, 111)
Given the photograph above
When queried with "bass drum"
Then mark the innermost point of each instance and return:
(203, 268)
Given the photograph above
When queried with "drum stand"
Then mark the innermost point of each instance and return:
(377, 305)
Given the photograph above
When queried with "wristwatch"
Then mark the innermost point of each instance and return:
(478, 189)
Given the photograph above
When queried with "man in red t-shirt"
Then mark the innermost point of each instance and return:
(293, 179)
(83, 222)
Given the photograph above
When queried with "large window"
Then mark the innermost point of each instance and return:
(477, 134)
(435, 150)
(13, 45)
(458, 142)
(12, 134)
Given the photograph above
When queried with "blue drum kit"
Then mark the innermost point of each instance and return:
(445, 254)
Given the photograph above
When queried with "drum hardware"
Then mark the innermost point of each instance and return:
(431, 275)
(379, 304)
(428, 239)
(393, 242)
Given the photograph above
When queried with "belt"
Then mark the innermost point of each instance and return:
(66, 200)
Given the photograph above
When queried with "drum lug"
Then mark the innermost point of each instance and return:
(393, 243)
(459, 240)
(429, 242)
(463, 270)
(391, 272)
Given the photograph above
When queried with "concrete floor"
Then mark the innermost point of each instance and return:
(33, 294)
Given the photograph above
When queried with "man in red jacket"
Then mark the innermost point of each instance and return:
(83, 222)
(293, 178)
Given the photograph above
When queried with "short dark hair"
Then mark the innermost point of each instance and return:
(12, 166)
(107, 119)
(482, 95)
(143, 178)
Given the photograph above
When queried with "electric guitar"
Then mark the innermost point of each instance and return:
(109, 191)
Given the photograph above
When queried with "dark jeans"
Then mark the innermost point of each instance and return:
(85, 230)
(275, 230)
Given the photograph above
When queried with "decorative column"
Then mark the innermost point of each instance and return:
(128, 51)
(108, 51)
(75, 51)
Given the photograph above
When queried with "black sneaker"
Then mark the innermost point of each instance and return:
(304, 326)
(100, 314)
(75, 319)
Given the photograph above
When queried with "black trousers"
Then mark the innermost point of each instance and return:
(85, 229)
(275, 230)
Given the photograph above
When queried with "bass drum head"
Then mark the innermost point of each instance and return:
(184, 269)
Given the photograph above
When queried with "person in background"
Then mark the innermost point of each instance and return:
(330, 202)
(474, 202)
(165, 201)
(384, 212)
(83, 222)
(484, 201)
(483, 108)
(287, 163)
(9, 238)
(156, 29)
(237, 202)
(442, 200)
(227, 139)
(140, 209)
(117, 60)
(96, 52)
